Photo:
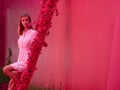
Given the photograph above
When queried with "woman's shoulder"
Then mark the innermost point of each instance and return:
(33, 31)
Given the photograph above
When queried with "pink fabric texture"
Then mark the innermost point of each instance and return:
(24, 44)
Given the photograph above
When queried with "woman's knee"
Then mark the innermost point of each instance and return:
(6, 69)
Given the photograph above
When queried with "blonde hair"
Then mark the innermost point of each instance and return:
(20, 26)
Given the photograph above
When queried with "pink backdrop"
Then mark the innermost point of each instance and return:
(2, 34)
(83, 45)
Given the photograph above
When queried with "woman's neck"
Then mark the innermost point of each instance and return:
(26, 29)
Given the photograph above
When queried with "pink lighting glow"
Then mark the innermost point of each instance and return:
(83, 45)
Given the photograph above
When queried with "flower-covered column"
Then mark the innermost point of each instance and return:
(43, 24)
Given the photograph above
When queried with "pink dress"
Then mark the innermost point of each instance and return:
(24, 44)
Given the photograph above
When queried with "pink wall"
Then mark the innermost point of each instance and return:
(91, 33)
(94, 45)
(114, 69)
(2, 32)
(83, 45)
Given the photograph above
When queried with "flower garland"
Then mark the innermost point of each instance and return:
(43, 24)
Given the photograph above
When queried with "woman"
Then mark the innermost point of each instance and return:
(26, 36)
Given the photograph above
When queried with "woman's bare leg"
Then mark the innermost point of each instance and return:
(11, 84)
(8, 70)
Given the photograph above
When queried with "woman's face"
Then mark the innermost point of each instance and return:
(25, 22)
